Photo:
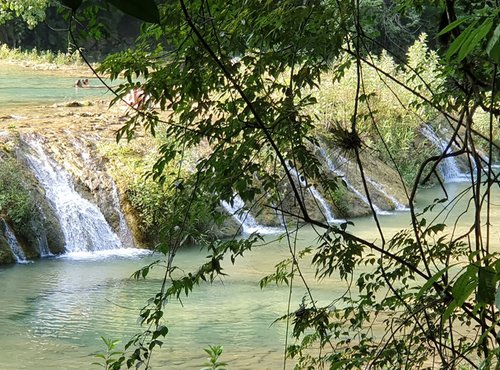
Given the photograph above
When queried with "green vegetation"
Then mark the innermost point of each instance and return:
(39, 56)
(17, 204)
(248, 82)
(213, 361)
(111, 359)
(31, 12)
(159, 205)
(389, 115)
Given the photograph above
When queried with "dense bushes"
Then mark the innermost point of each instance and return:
(158, 206)
(389, 114)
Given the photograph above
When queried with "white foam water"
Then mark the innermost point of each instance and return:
(105, 254)
(339, 173)
(248, 223)
(83, 224)
(14, 245)
(448, 166)
(326, 209)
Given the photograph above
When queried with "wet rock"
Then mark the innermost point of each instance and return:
(6, 255)
(229, 228)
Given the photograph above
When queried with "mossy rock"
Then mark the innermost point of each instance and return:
(230, 228)
(6, 255)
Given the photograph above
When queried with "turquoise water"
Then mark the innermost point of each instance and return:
(22, 86)
(54, 311)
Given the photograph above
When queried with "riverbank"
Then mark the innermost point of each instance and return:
(41, 59)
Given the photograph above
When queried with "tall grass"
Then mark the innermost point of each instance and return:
(389, 115)
(39, 56)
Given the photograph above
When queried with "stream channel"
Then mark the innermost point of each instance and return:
(54, 311)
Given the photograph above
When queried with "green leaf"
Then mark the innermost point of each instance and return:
(465, 285)
(449, 310)
(487, 285)
(474, 39)
(452, 26)
(497, 298)
(460, 40)
(431, 281)
(493, 47)
(145, 10)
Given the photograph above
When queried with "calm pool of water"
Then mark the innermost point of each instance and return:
(22, 86)
(54, 311)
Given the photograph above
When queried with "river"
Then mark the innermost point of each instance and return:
(55, 310)
(21, 86)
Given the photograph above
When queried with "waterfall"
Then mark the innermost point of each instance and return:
(16, 249)
(43, 245)
(327, 211)
(448, 166)
(105, 181)
(397, 204)
(248, 223)
(41, 236)
(82, 223)
(339, 173)
(123, 230)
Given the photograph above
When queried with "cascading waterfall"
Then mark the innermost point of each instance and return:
(327, 211)
(123, 230)
(90, 161)
(16, 249)
(83, 224)
(339, 173)
(397, 204)
(41, 238)
(43, 246)
(448, 166)
(248, 223)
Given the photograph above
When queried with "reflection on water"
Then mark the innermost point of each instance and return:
(54, 311)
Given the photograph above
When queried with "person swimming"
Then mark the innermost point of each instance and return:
(82, 83)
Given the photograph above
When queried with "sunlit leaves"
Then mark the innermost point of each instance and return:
(30, 11)
(475, 34)
(337, 253)
(111, 359)
(236, 80)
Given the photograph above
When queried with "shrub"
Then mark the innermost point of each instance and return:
(389, 115)
(16, 201)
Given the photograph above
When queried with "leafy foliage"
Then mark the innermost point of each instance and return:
(111, 359)
(17, 204)
(241, 81)
(30, 11)
(214, 352)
